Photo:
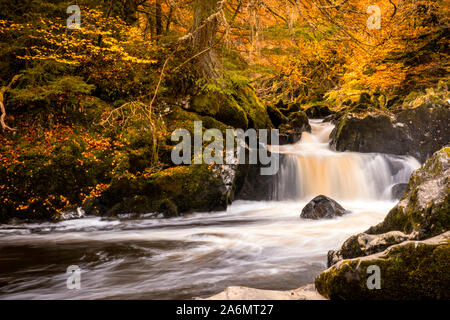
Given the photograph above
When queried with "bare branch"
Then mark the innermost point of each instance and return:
(2, 106)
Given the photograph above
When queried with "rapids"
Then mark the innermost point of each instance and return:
(258, 244)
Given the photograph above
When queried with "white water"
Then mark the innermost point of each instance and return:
(310, 168)
(259, 244)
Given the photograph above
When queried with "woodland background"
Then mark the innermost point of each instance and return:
(87, 114)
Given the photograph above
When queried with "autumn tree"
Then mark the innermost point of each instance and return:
(208, 14)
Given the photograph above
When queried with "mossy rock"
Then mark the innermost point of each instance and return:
(242, 109)
(172, 191)
(299, 120)
(408, 271)
(276, 116)
(254, 108)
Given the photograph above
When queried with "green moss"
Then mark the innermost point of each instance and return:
(172, 191)
(238, 107)
(208, 104)
(407, 272)
(255, 110)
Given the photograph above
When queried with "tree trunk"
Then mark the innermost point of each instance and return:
(158, 20)
(204, 29)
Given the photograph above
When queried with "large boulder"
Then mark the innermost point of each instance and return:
(372, 133)
(241, 110)
(412, 270)
(322, 207)
(418, 132)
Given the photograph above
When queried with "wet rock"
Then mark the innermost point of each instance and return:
(299, 120)
(365, 244)
(399, 190)
(291, 132)
(412, 270)
(252, 185)
(418, 132)
(322, 207)
(373, 133)
(276, 116)
(318, 112)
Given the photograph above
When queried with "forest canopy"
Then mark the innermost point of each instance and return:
(93, 104)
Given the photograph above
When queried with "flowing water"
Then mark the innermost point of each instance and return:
(258, 244)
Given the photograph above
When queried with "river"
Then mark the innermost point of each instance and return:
(257, 244)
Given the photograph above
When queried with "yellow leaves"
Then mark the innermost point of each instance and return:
(97, 190)
(52, 40)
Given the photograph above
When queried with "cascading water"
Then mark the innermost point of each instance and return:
(311, 168)
(258, 244)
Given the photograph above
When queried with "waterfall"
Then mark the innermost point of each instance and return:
(310, 168)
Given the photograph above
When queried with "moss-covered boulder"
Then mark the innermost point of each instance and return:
(411, 270)
(418, 132)
(239, 109)
(171, 192)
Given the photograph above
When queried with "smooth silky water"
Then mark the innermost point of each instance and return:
(258, 244)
